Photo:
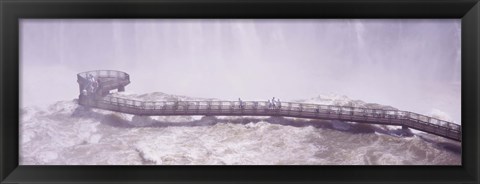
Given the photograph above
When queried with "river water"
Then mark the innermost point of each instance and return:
(67, 134)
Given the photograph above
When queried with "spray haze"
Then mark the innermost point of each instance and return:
(412, 65)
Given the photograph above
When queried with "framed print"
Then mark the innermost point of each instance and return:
(155, 91)
(232, 91)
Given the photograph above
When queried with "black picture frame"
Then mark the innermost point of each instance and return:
(11, 11)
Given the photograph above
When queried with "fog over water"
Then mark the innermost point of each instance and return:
(411, 65)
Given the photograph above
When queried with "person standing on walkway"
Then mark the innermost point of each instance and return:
(273, 102)
(241, 104)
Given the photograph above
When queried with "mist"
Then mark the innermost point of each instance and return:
(412, 65)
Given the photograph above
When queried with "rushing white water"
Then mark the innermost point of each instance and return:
(65, 133)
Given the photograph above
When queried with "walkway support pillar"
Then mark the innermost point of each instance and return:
(121, 89)
(404, 127)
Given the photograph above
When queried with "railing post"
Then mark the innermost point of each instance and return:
(197, 106)
(364, 113)
(301, 109)
(289, 108)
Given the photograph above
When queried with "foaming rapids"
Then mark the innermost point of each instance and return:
(67, 134)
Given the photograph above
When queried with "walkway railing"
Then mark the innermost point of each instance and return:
(262, 108)
(109, 80)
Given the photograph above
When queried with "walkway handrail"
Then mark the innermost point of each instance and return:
(112, 79)
(105, 73)
(219, 104)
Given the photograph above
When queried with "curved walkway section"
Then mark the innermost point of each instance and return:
(110, 80)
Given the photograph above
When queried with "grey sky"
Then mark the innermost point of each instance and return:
(410, 64)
